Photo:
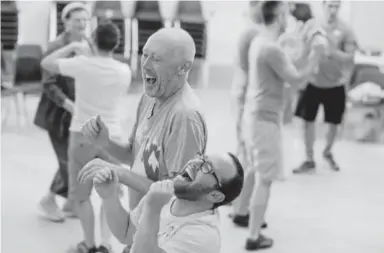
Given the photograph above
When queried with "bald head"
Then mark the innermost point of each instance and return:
(177, 41)
(166, 61)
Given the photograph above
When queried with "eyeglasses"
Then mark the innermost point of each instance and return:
(206, 167)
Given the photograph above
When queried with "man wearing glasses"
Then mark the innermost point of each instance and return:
(175, 216)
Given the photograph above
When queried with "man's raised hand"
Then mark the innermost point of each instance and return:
(96, 132)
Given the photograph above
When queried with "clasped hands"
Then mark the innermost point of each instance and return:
(104, 174)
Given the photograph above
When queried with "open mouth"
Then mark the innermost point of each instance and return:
(186, 177)
(150, 79)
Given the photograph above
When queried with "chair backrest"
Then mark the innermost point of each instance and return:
(27, 67)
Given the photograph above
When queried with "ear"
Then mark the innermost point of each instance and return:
(185, 68)
(216, 197)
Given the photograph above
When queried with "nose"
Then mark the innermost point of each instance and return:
(145, 62)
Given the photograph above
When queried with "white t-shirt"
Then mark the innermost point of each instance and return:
(100, 83)
(196, 233)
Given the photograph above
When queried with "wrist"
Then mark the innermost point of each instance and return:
(111, 198)
(152, 210)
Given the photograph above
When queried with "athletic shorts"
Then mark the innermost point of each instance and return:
(332, 99)
(263, 141)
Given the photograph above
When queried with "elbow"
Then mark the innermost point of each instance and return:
(48, 65)
(45, 65)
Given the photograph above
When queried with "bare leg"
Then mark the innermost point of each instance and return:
(309, 140)
(106, 233)
(260, 200)
(84, 210)
(330, 138)
(241, 205)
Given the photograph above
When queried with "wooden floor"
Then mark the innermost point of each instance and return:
(323, 213)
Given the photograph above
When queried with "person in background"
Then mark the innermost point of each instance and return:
(270, 69)
(240, 215)
(328, 87)
(100, 84)
(54, 112)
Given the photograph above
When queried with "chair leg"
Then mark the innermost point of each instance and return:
(6, 105)
(23, 109)
(19, 108)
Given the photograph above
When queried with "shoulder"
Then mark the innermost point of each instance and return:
(187, 102)
(265, 50)
(203, 237)
(123, 68)
(188, 108)
(57, 43)
(343, 27)
(248, 34)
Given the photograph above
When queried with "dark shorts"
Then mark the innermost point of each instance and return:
(332, 99)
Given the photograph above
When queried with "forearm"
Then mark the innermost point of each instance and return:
(343, 56)
(50, 59)
(53, 92)
(117, 154)
(117, 219)
(132, 180)
(146, 235)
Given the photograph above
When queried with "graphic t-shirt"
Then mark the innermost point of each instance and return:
(166, 141)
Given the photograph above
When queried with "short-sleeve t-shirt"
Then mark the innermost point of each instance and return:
(166, 141)
(332, 72)
(195, 233)
(100, 83)
(265, 96)
(241, 75)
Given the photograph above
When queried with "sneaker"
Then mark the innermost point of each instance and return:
(331, 161)
(105, 249)
(82, 248)
(261, 243)
(69, 209)
(243, 221)
(49, 209)
(307, 167)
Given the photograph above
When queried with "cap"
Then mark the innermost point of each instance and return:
(72, 6)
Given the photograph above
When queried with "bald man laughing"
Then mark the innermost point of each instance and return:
(169, 128)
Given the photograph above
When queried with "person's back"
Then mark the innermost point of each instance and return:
(265, 96)
(99, 87)
(241, 64)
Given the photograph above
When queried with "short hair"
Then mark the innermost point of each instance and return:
(231, 188)
(253, 3)
(107, 36)
(302, 12)
(269, 11)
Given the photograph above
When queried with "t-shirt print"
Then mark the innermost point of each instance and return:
(165, 141)
(149, 154)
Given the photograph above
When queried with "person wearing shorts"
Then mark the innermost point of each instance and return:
(100, 84)
(269, 69)
(328, 88)
(240, 215)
